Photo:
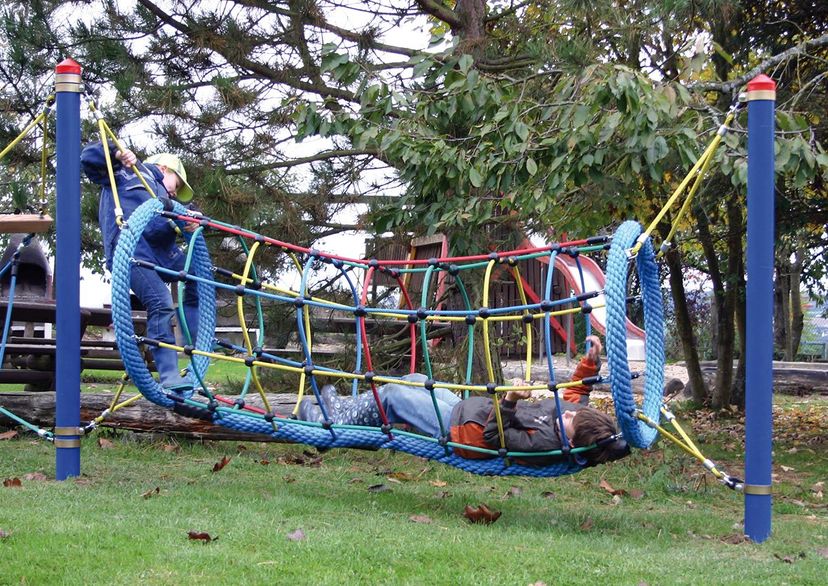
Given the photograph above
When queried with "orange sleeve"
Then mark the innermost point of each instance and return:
(585, 368)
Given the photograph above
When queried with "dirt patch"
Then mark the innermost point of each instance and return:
(564, 369)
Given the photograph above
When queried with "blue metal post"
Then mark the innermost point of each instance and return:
(761, 96)
(67, 271)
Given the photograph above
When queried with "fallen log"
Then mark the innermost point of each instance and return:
(793, 378)
(144, 416)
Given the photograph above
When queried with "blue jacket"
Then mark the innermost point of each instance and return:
(158, 243)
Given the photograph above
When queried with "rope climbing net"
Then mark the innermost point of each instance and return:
(359, 274)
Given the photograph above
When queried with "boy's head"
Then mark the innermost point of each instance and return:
(175, 176)
(591, 426)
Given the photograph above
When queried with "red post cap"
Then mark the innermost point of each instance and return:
(761, 83)
(68, 66)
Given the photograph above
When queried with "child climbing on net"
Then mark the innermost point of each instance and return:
(527, 426)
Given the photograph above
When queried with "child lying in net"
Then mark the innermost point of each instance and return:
(527, 426)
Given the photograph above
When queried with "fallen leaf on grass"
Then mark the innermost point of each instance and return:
(735, 539)
(221, 464)
(613, 491)
(548, 494)
(304, 460)
(297, 535)
(35, 476)
(8, 435)
(289, 479)
(105, 444)
(587, 524)
(12, 483)
(399, 476)
(4, 534)
(443, 494)
(151, 492)
(198, 536)
(481, 514)
(393, 480)
(513, 491)
(438, 483)
(170, 448)
(263, 462)
(616, 499)
(379, 488)
(787, 468)
(637, 493)
(424, 519)
(789, 559)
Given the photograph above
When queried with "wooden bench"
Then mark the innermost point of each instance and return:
(31, 360)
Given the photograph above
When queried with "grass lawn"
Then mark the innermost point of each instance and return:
(280, 513)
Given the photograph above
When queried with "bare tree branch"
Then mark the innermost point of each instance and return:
(728, 87)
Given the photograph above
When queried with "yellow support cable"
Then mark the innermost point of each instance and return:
(37, 119)
(44, 157)
(110, 170)
(688, 200)
(708, 152)
(104, 130)
(690, 449)
(672, 419)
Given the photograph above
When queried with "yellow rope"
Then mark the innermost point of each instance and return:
(105, 130)
(44, 157)
(688, 447)
(23, 134)
(707, 154)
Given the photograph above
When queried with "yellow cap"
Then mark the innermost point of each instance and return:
(173, 163)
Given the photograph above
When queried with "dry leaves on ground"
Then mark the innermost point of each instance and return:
(151, 492)
(424, 519)
(7, 435)
(481, 514)
(218, 466)
(12, 483)
(305, 459)
(200, 536)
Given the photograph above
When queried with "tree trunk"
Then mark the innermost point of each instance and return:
(724, 314)
(795, 304)
(39, 409)
(683, 324)
(737, 392)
